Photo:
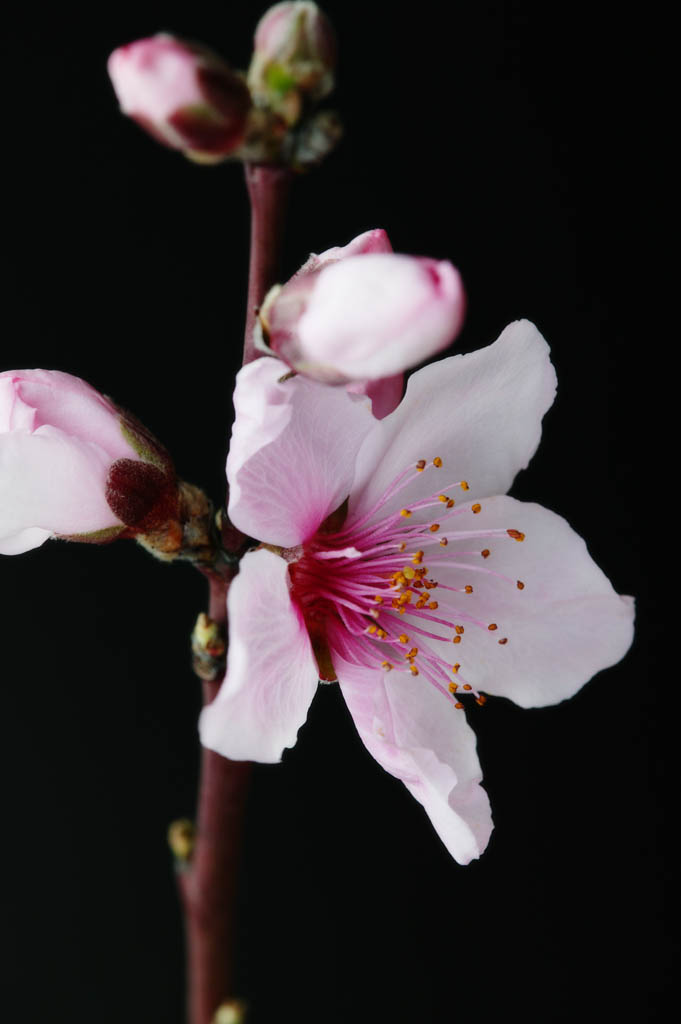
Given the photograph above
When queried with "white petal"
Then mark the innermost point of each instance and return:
(417, 735)
(271, 671)
(480, 413)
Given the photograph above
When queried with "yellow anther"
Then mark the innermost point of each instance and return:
(467, 686)
(433, 605)
(453, 687)
(408, 572)
(403, 638)
(504, 640)
(456, 639)
(485, 552)
(468, 588)
(492, 626)
(458, 705)
(481, 699)
(443, 498)
(520, 585)
(444, 542)
(386, 666)
(459, 629)
(516, 534)
(381, 633)
(405, 512)
(451, 503)
(372, 629)
(413, 669)
(455, 668)
(464, 485)
(378, 599)
(437, 461)
(421, 465)
(476, 508)
(418, 558)
(434, 527)
(403, 545)
(413, 652)
(422, 602)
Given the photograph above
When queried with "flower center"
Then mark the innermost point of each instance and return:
(370, 591)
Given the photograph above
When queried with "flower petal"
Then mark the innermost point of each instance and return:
(385, 393)
(563, 626)
(480, 413)
(417, 736)
(292, 453)
(271, 676)
(50, 484)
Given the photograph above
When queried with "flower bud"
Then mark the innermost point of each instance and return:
(294, 57)
(182, 94)
(362, 312)
(73, 465)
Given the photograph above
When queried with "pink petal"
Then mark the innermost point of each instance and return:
(271, 672)
(63, 401)
(292, 453)
(566, 624)
(377, 314)
(385, 393)
(480, 413)
(375, 240)
(50, 484)
(416, 734)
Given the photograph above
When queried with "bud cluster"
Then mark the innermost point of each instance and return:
(190, 99)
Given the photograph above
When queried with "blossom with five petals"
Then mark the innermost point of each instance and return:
(392, 561)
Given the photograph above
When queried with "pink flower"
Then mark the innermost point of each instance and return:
(182, 94)
(363, 312)
(73, 465)
(385, 564)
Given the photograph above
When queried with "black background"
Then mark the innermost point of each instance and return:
(508, 138)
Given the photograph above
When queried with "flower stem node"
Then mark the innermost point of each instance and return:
(181, 840)
(208, 648)
(232, 1012)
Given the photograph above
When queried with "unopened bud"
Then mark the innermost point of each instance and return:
(182, 94)
(362, 312)
(294, 57)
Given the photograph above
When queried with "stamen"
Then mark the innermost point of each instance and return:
(516, 534)
(437, 462)
(476, 508)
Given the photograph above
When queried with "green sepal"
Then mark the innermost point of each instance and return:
(96, 536)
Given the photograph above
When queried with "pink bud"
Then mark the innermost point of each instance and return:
(295, 49)
(73, 465)
(182, 94)
(364, 313)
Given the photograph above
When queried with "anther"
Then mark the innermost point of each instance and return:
(476, 508)
(405, 512)
(459, 629)
(443, 498)
(451, 503)
(453, 687)
(467, 686)
(403, 638)
(492, 626)
(413, 652)
(516, 534)
(437, 462)
(386, 666)
(421, 465)
(408, 572)
(456, 639)
(504, 640)
(413, 669)
(520, 585)
(444, 542)
(458, 705)
(381, 633)
(434, 527)
(455, 668)
(481, 699)
(468, 588)
(464, 485)
(485, 552)
(403, 545)
(372, 629)
(378, 599)
(433, 605)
